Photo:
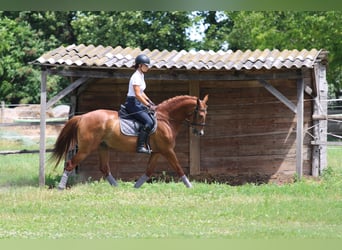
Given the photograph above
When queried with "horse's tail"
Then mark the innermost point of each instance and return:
(66, 139)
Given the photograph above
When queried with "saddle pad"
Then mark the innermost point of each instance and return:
(129, 127)
(132, 127)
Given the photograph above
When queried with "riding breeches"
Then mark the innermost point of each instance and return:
(137, 110)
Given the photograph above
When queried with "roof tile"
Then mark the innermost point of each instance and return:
(107, 57)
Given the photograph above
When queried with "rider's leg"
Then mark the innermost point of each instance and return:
(142, 139)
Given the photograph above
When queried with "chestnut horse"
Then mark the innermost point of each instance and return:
(100, 129)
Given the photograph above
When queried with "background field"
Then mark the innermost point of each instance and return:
(307, 209)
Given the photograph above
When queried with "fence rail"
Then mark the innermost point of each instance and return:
(21, 122)
(33, 122)
(23, 151)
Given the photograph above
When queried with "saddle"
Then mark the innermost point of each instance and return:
(130, 126)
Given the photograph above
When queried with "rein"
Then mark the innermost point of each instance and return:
(187, 120)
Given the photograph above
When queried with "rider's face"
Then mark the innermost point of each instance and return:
(144, 68)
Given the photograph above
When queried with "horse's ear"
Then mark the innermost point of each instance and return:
(205, 99)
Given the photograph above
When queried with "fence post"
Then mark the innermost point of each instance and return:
(42, 129)
(2, 111)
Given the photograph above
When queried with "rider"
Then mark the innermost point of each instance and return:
(138, 103)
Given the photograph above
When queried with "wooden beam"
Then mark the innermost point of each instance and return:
(66, 91)
(326, 143)
(194, 144)
(91, 73)
(278, 95)
(300, 130)
(174, 75)
(42, 146)
(320, 117)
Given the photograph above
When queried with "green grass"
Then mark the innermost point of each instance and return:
(308, 209)
(98, 211)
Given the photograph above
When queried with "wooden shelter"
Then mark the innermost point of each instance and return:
(265, 116)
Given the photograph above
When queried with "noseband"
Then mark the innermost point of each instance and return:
(194, 115)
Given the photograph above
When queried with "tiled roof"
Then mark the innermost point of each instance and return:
(118, 57)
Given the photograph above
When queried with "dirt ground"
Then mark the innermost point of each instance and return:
(235, 180)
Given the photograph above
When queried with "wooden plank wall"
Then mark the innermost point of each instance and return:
(249, 132)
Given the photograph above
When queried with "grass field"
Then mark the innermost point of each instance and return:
(307, 209)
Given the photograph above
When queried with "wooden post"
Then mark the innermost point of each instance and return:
(315, 148)
(42, 129)
(194, 144)
(320, 74)
(300, 121)
(2, 111)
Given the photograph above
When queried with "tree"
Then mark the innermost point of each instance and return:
(143, 29)
(54, 27)
(217, 26)
(20, 45)
(291, 30)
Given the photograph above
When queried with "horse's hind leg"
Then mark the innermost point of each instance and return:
(70, 165)
(104, 164)
(150, 168)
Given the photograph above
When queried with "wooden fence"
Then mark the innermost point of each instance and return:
(11, 122)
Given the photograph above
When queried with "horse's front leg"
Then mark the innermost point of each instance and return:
(152, 162)
(172, 159)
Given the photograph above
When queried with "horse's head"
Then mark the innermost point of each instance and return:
(198, 117)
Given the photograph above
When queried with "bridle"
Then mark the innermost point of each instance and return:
(194, 125)
(194, 114)
(191, 122)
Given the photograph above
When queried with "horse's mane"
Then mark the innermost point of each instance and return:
(175, 100)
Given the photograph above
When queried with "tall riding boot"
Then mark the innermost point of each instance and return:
(142, 139)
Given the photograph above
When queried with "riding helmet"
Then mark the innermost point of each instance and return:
(142, 59)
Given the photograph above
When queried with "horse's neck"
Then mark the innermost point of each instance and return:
(180, 110)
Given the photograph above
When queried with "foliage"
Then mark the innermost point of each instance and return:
(217, 26)
(291, 30)
(251, 30)
(28, 34)
(143, 29)
(54, 27)
(20, 45)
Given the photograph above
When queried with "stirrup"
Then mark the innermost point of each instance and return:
(143, 150)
